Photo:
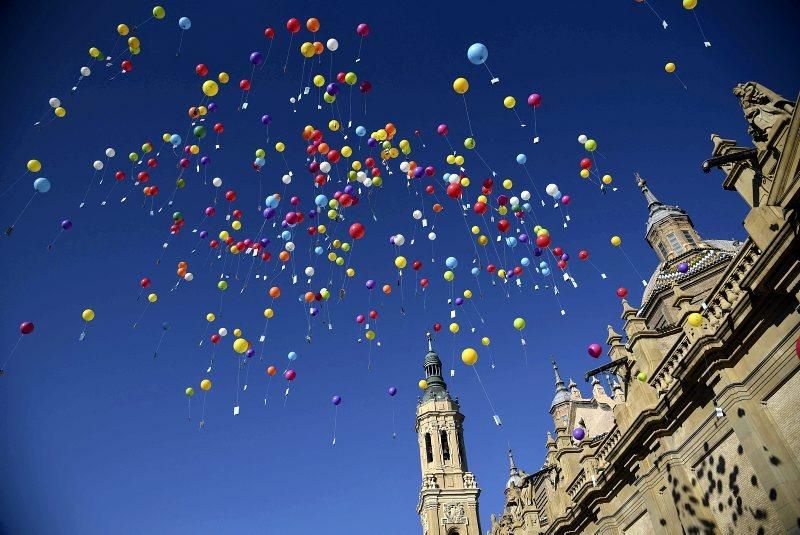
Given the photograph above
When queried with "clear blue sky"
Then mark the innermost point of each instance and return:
(94, 436)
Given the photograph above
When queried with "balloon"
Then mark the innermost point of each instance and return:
(159, 12)
(336, 400)
(469, 356)
(184, 23)
(460, 85)
(223, 331)
(669, 67)
(54, 102)
(509, 102)
(616, 241)
(332, 45)
(595, 350)
(152, 298)
(190, 391)
(240, 345)
(454, 327)
(683, 267)
(695, 319)
(41, 185)
(210, 88)
(534, 100)
(641, 376)
(582, 139)
(392, 391)
(689, 4)
(61, 112)
(451, 263)
(293, 25)
(477, 53)
(400, 262)
(519, 324)
(26, 327)
(88, 314)
(590, 145)
(357, 231)
(86, 71)
(423, 384)
(205, 385)
(290, 375)
(622, 292)
(256, 58)
(34, 166)
(362, 29)
(578, 434)
(521, 159)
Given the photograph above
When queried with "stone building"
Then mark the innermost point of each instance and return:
(701, 430)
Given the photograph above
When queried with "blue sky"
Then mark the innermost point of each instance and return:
(95, 437)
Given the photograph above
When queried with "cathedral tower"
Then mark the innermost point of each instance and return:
(448, 499)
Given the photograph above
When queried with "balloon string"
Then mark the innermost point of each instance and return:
(535, 127)
(335, 415)
(142, 315)
(490, 72)
(644, 282)
(190, 408)
(203, 411)
(663, 22)
(266, 393)
(286, 63)
(702, 33)
(10, 229)
(681, 81)
(360, 44)
(485, 393)
(469, 121)
(205, 332)
(534, 185)
(180, 44)
(238, 380)
(14, 183)
(53, 242)
(394, 433)
(11, 354)
(158, 346)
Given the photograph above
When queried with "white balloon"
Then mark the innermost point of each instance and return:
(309, 271)
(332, 44)
(289, 246)
(551, 189)
(98, 165)
(454, 178)
(325, 167)
(86, 71)
(513, 201)
(361, 175)
(223, 331)
(292, 100)
(525, 195)
(367, 182)
(286, 179)
(217, 182)
(582, 139)
(432, 236)
(54, 102)
(110, 152)
(404, 166)
(417, 215)
(188, 277)
(399, 240)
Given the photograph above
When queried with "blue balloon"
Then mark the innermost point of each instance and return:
(525, 261)
(475, 271)
(292, 355)
(286, 235)
(545, 272)
(318, 249)
(261, 162)
(477, 53)
(175, 139)
(543, 265)
(361, 131)
(521, 159)
(184, 23)
(451, 263)
(41, 184)
(557, 196)
(511, 241)
(271, 202)
(321, 200)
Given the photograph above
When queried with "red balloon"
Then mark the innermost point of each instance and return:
(230, 195)
(561, 264)
(454, 190)
(429, 189)
(437, 327)
(269, 33)
(143, 176)
(491, 268)
(583, 254)
(219, 128)
(362, 29)
(293, 25)
(595, 350)
(373, 314)
(357, 231)
(365, 86)
(423, 283)
(201, 70)
(237, 214)
(119, 175)
(503, 225)
(480, 207)
(334, 156)
(622, 292)
(26, 327)
(340, 77)
(127, 66)
(213, 244)
(558, 251)
(586, 163)
(543, 240)
(535, 100)
(144, 283)
(290, 375)
(215, 338)
(245, 85)
(416, 265)
(152, 162)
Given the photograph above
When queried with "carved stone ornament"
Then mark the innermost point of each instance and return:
(454, 513)
(469, 481)
(764, 110)
(429, 482)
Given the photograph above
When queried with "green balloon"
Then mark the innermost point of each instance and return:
(199, 132)
(181, 183)
(519, 324)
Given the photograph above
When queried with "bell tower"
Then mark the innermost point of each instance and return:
(448, 499)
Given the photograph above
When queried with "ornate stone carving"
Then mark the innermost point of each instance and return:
(429, 482)
(763, 110)
(469, 481)
(454, 513)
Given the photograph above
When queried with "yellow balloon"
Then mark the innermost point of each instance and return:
(616, 241)
(519, 323)
(133, 42)
(689, 4)
(240, 345)
(307, 49)
(501, 273)
(423, 384)
(333, 125)
(483, 240)
(319, 80)
(34, 166)
(695, 319)
(459, 160)
(88, 314)
(350, 272)
(159, 13)
(469, 356)
(332, 256)
(502, 210)
(237, 332)
(346, 151)
(94, 52)
(260, 153)
(210, 317)
(190, 391)
(123, 29)
(223, 77)
(509, 102)
(60, 112)
(345, 247)
(475, 229)
(584, 173)
(205, 385)
(449, 276)
(223, 235)
(370, 335)
(340, 261)
(152, 298)
(467, 294)
(322, 229)
(236, 225)
(454, 328)
(194, 149)
(451, 159)
(268, 313)
(508, 184)
(607, 179)
(400, 262)
(460, 85)
(210, 88)
(222, 285)
(280, 147)
(485, 340)
(465, 182)
(670, 67)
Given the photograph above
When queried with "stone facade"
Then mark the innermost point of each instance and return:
(701, 432)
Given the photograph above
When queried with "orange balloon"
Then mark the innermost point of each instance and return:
(181, 272)
(307, 131)
(194, 113)
(387, 289)
(272, 370)
(323, 148)
(274, 292)
(412, 165)
(437, 208)
(284, 256)
(309, 297)
(312, 24)
(183, 265)
(319, 48)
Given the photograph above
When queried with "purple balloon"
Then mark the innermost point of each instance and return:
(212, 106)
(523, 238)
(269, 213)
(578, 434)
(349, 189)
(418, 172)
(284, 224)
(66, 224)
(250, 353)
(264, 242)
(565, 257)
(332, 89)
(595, 350)
(460, 300)
(256, 58)
(205, 160)
(313, 311)
(370, 284)
(336, 400)
(203, 234)
(391, 240)
(537, 251)
(683, 267)
(372, 142)
(392, 391)
(312, 214)
(266, 119)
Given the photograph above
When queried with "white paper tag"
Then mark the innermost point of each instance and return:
(497, 421)
(495, 81)
(236, 410)
(424, 223)
(452, 314)
(664, 24)
(294, 279)
(244, 106)
(452, 373)
(603, 276)
(536, 139)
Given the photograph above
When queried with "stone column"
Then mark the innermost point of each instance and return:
(660, 507)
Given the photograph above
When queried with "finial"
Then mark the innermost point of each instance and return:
(559, 381)
(430, 341)
(512, 464)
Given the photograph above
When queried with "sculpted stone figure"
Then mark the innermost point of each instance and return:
(763, 110)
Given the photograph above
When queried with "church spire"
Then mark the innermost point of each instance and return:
(652, 201)
(437, 388)
(562, 394)
(513, 466)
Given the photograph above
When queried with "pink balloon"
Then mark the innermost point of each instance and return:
(535, 100)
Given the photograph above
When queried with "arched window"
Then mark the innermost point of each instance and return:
(445, 446)
(428, 448)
